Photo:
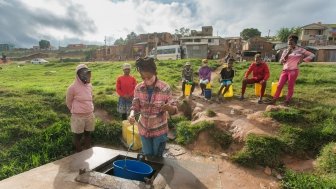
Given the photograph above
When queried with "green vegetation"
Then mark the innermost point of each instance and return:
(221, 137)
(34, 121)
(186, 132)
(210, 113)
(326, 162)
(259, 150)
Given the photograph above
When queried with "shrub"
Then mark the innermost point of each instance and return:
(306, 180)
(287, 115)
(107, 133)
(210, 113)
(223, 138)
(261, 150)
(186, 132)
(326, 162)
(174, 120)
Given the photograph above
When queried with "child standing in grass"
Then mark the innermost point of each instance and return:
(227, 74)
(80, 103)
(153, 101)
(125, 88)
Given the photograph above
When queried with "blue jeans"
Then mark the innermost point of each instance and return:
(154, 146)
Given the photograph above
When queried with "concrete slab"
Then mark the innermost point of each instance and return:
(61, 174)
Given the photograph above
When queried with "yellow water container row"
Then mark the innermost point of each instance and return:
(257, 89)
(274, 88)
(187, 89)
(136, 140)
(229, 93)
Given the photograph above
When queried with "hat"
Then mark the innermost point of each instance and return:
(187, 63)
(82, 66)
(205, 61)
(126, 66)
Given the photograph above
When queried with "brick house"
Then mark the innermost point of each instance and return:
(257, 45)
(318, 34)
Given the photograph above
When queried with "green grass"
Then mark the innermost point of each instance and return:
(326, 162)
(34, 120)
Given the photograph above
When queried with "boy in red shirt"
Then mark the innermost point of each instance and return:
(260, 74)
(125, 88)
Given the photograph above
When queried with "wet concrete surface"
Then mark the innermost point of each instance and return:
(61, 174)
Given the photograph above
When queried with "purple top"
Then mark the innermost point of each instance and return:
(205, 73)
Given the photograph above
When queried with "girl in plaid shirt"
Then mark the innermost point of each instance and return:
(153, 101)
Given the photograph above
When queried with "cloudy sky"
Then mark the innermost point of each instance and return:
(25, 22)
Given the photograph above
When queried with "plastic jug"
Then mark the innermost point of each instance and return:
(207, 93)
(257, 89)
(229, 93)
(125, 124)
(208, 86)
(187, 89)
(129, 138)
(274, 88)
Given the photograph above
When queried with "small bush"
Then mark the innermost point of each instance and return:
(186, 133)
(326, 162)
(210, 113)
(107, 133)
(287, 115)
(260, 150)
(306, 180)
(174, 120)
(223, 138)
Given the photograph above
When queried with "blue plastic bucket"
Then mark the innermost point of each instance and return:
(207, 93)
(134, 170)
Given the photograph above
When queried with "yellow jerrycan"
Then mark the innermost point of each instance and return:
(257, 89)
(229, 93)
(129, 138)
(187, 89)
(125, 124)
(274, 88)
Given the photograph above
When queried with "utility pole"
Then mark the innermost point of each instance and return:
(156, 41)
(268, 33)
(105, 48)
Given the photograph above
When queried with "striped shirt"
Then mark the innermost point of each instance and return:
(294, 58)
(152, 120)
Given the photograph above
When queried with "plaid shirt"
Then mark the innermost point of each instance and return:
(294, 58)
(152, 120)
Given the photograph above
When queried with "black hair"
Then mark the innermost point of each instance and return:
(146, 65)
(293, 37)
(231, 60)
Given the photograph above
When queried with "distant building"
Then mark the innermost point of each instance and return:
(318, 34)
(323, 53)
(257, 45)
(6, 47)
(76, 46)
(206, 31)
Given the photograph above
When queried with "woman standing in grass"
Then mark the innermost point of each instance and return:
(291, 58)
(80, 103)
(153, 101)
(125, 88)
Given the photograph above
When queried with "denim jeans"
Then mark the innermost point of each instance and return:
(154, 146)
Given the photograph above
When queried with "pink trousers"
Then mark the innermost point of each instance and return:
(290, 76)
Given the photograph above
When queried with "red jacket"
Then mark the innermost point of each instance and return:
(259, 72)
(125, 85)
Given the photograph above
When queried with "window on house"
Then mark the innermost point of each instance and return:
(197, 40)
(210, 40)
(306, 32)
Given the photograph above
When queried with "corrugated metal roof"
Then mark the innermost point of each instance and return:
(327, 47)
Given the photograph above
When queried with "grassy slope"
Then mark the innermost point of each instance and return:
(33, 114)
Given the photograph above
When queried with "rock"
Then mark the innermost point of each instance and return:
(211, 158)
(268, 171)
(224, 155)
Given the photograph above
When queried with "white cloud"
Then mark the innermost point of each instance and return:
(89, 20)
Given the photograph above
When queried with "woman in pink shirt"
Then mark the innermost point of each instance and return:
(125, 88)
(291, 58)
(80, 103)
(153, 102)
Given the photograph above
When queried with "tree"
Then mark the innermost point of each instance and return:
(131, 36)
(183, 31)
(283, 33)
(44, 44)
(248, 33)
(119, 41)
